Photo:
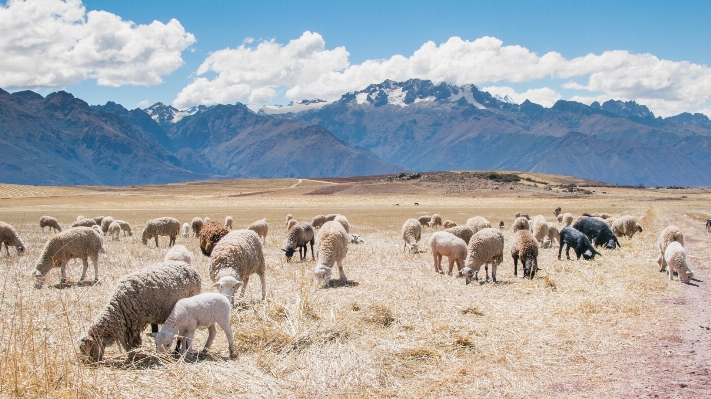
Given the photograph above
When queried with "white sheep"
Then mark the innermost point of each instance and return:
(666, 237)
(316, 222)
(196, 225)
(411, 233)
(9, 237)
(85, 223)
(444, 243)
(52, 223)
(331, 247)
(675, 257)
(477, 223)
(237, 256)
(288, 217)
(486, 246)
(539, 227)
(189, 314)
(448, 223)
(520, 223)
(125, 227)
(553, 235)
(463, 232)
(179, 253)
(165, 226)
(625, 225)
(356, 239)
(97, 220)
(114, 231)
(186, 230)
(77, 242)
(567, 219)
(291, 223)
(435, 220)
(105, 223)
(344, 222)
(261, 227)
(229, 222)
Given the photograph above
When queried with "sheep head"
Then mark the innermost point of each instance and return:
(228, 285)
(323, 275)
(164, 340)
(39, 278)
(469, 274)
(412, 248)
(289, 252)
(90, 349)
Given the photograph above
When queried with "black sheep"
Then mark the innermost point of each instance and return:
(597, 231)
(579, 241)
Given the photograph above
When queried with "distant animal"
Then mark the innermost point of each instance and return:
(556, 211)
(501, 224)
(411, 234)
(417, 203)
(52, 223)
(708, 225)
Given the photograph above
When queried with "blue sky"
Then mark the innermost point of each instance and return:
(673, 34)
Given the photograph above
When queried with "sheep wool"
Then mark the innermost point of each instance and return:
(331, 217)
(444, 243)
(165, 226)
(196, 225)
(179, 253)
(79, 242)
(553, 235)
(667, 236)
(237, 256)
(540, 228)
(296, 238)
(210, 234)
(9, 237)
(424, 220)
(84, 223)
(288, 217)
(105, 223)
(567, 219)
(291, 224)
(185, 231)
(448, 223)
(520, 223)
(229, 222)
(332, 247)
(97, 220)
(316, 222)
(344, 222)
(463, 232)
(625, 225)
(125, 227)
(52, 223)
(114, 231)
(525, 248)
(411, 234)
(477, 223)
(436, 220)
(485, 246)
(261, 227)
(675, 257)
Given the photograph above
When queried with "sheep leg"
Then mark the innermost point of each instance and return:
(451, 264)
(486, 270)
(156, 241)
(515, 259)
(7, 249)
(244, 287)
(493, 272)
(535, 267)
(230, 338)
(85, 263)
(671, 273)
(263, 279)
(567, 252)
(63, 274)
(341, 273)
(312, 250)
(172, 241)
(95, 263)
(211, 333)
(434, 257)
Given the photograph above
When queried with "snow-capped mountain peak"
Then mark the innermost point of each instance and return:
(164, 114)
(413, 91)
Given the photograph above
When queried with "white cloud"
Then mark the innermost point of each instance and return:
(143, 104)
(544, 96)
(54, 43)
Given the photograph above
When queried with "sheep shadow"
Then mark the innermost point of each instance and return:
(144, 361)
(70, 284)
(342, 284)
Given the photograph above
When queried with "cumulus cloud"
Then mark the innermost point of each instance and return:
(54, 43)
(544, 96)
(304, 68)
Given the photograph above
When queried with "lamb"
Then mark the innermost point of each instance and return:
(675, 257)
(9, 237)
(553, 235)
(288, 217)
(598, 231)
(125, 227)
(463, 232)
(97, 220)
(344, 222)
(332, 247)
(179, 253)
(436, 220)
(84, 223)
(521, 214)
(448, 223)
(261, 228)
(520, 223)
(316, 222)
(626, 225)
(667, 236)
(560, 218)
(185, 230)
(52, 223)
(229, 222)
(567, 219)
(356, 239)
(210, 234)
(237, 256)
(146, 296)
(331, 217)
(297, 237)
(77, 242)
(525, 248)
(411, 233)
(477, 223)
(579, 241)
(539, 228)
(291, 224)
(424, 220)
(114, 231)
(485, 246)
(196, 225)
(105, 223)
(444, 243)
(165, 226)
(556, 211)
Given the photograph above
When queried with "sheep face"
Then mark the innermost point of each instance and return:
(39, 279)
(90, 350)
(587, 255)
(323, 275)
(289, 252)
(228, 285)
(610, 244)
(412, 248)
(164, 340)
(470, 274)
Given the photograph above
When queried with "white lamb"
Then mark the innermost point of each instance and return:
(356, 239)
(229, 221)
(332, 247)
(539, 227)
(675, 257)
(186, 230)
(567, 219)
(477, 223)
(179, 253)
(444, 243)
(114, 231)
(411, 233)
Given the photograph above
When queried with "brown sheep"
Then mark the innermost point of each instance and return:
(210, 234)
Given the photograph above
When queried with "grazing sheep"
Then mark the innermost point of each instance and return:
(436, 220)
(125, 227)
(80, 217)
(316, 222)
(179, 253)
(144, 297)
(463, 232)
(77, 242)
(553, 235)
(165, 226)
(444, 243)
(477, 223)
(189, 314)
(196, 225)
(344, 222)
(291, 224)
(675, 257)
(625, 225)
(186, 230)
(666, 237)
(525, 248)
(84, 223)
(288, 217)
(601, 215)
(207, 219)
(598, 231)
(520, 223)
(539, 226)
(485, 246)
(560, 218)
(556, 211)
(424, 220)
(97, 220)
(521, 214)
(356, 239)
(105, 223)
(114, 231)
(229, 222)
(411, 233)
(210, 234)
(261, 227)
(52, 223)
(708, 225)
(331, 217)
(579, 241)
(237, 256)
(501, 224)
(332, 247)
(9, 237)
(297, 237)
(448, 223)
(567, 219)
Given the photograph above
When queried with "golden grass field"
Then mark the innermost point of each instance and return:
(604, 328)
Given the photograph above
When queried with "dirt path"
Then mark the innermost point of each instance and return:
(297, 183)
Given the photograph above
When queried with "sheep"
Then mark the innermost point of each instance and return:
(189, 314)
(316, 222)
(539, 228)
(356, 239)
(448, 223)
(80, 217)
(520, 223)
(125, 227)
(708, 225)
(98, 220)
(667, 236)
(463, 232)
(444, 243)
(424, 220)
(501, 224)
(207, 219)
(525, 248)
(556, 211)
(567, 219)
(77, 242)
(411, 233)
(598, 231)
(297, 237)
(485, 246)
(165, 226)
(185, 230)
(114, 231)
(344, 222)
(560, 218)
(332, 247)
(210, 234)
(84, 223)
(675, 257)
(52, 223)
(105, 223)
(601, 215)
(435, 220)
(625, 225)
(291, 224)
(553, 235)
(196, 225)
(237, 256)
(477, 223)
(261, 227)
(579, 241)
(229, 222)
(520, 214)
(288, 217)
(179, 253)
(610, 222)
(9, 237)
(146, 296)
(331, 217)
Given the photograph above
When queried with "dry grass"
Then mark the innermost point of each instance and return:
(398, 331)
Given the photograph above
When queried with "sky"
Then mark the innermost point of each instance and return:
(187, 53)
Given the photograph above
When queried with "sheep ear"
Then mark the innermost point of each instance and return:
(216, 285)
